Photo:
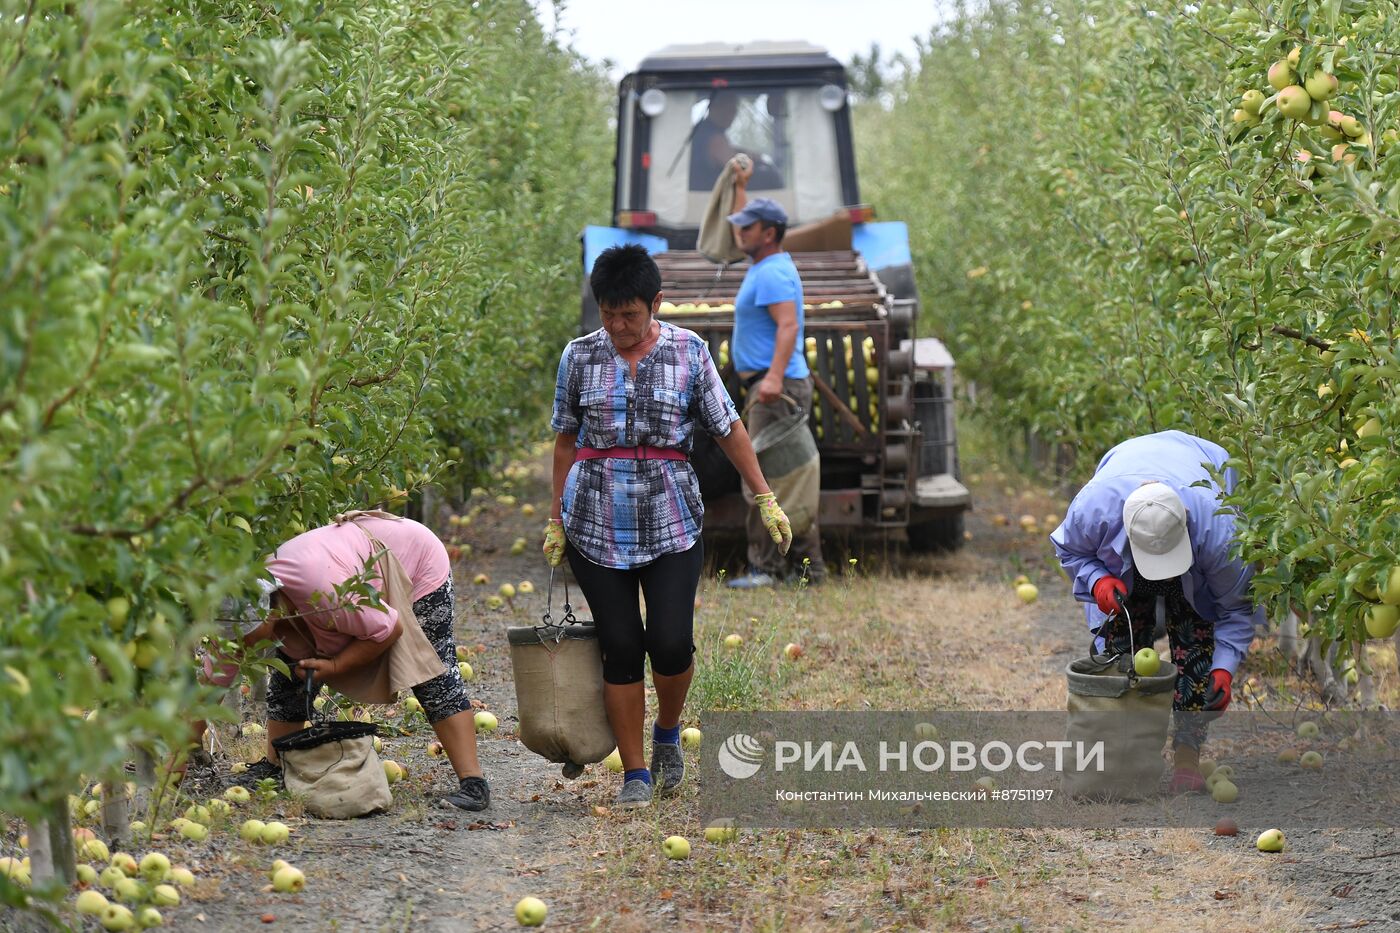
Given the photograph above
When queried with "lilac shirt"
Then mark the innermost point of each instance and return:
(627, 513)
(1092, 543)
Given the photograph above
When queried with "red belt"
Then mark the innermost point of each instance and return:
(629, 453)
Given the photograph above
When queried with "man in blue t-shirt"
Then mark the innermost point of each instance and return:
(764, 348)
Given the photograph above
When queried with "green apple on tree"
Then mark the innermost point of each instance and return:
(1294, 102)
(1382, 620)
(1321, 85)
(1281, 75)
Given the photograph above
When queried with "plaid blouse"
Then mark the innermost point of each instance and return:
(626, 513)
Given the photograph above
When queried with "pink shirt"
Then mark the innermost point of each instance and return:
(314, 563)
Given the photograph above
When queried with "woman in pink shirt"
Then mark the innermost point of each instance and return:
(347, 634)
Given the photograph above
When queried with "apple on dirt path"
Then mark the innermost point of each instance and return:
(530, 912)
(691, 737)
(676, 847)
(1270, 840)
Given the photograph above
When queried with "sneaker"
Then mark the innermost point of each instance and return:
(1186, 781)
(751, 581)
(667, 767)
(473, 793)
(258, 772)
(634, 794)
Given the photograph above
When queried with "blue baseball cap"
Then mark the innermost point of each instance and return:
(764, 209)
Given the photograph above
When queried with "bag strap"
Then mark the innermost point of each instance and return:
(753, 400)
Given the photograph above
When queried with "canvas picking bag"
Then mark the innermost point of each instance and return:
(333, 766)
(558, 671)
(1130, 714)
(787, 454)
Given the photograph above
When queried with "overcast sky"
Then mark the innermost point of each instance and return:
(626, 32)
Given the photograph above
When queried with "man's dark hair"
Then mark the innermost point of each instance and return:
(623, 273)
(780, 228)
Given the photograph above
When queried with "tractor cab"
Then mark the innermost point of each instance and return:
(688, 108)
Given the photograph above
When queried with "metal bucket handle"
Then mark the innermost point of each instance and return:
(1104, 630)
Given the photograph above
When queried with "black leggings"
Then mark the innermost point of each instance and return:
(669, 585)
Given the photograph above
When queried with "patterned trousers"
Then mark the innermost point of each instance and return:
(445, 695)
(1192, 643)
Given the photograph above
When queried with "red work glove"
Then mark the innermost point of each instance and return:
(1104, 594)
(1218, 693)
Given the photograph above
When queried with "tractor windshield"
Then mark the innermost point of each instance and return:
(789, 135)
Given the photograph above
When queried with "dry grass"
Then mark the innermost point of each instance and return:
(917, 633)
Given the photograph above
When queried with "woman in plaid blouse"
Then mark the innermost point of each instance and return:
(627, 510)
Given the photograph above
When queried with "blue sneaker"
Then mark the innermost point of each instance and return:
(751, 581)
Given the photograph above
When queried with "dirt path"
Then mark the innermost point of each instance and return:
(887, 632)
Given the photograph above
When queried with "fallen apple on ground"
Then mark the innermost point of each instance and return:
(792, 651)
(613, 762)
(1027, 593)
(733, 641)
(530, 912)
(1270, 840)
(288, 880)
(1225, 791)
(251, 830)
(1312, 761)
(690, 738)
(393, 771)
(676, 847)
(1308, 730)
(1226, 826)
(275, 832)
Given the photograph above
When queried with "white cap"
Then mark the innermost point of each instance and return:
(1155, 518)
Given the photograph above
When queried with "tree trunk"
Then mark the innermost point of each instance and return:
(51, 848)
(116, 812)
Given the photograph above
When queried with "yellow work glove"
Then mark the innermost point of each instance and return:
(775, 520)
(554, 542)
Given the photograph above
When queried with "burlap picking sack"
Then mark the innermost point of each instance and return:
(1131, 719)
(558, 671)
(334, 768)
